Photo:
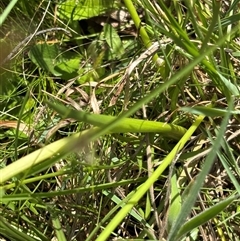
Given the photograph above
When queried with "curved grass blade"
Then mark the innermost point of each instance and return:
(124, 125)
(51, 152)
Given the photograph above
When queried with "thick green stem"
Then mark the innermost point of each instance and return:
(123, 126)
(137, 21)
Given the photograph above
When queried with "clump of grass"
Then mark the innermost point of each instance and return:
(146, 144)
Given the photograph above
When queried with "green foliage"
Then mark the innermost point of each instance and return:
(68, 68)
(49, 58)
(175, 203)
(44, 56)
(114, 42)
(119, 120)
(85, 9)
(7, 11)
(124, 126)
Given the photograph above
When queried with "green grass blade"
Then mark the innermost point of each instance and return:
(121, 203)
(99, 187)
(230, 165)
(58, 148)
(216, 8)
(204, 216)
(70, 188)
(175, 205)
(58, 228)
(170, 157)
(146, 40)
(7, 10)
(124, 125)
(209, 111)
(191, 198)
(10, 232)
(145, 186)
(230, 20)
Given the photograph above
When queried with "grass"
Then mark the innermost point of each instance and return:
(119, 129)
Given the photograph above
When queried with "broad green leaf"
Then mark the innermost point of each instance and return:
(7, 85)
(45, 57)
(84, 9)
(69, 68)
(113, 40)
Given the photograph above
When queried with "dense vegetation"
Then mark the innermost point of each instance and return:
(119, 120)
